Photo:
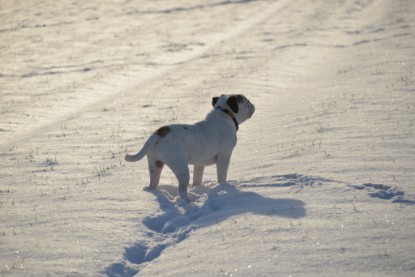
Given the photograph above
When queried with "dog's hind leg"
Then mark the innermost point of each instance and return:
(180, 168)
(154, 167)
(198, 175)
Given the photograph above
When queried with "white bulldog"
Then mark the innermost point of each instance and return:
(203, 143)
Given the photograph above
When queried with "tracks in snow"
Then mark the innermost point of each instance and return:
(178, 219)
(120, 84)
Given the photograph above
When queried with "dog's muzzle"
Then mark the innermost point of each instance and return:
(251, 111)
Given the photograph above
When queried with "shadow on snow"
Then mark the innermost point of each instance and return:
(178, 218)
(218, 203)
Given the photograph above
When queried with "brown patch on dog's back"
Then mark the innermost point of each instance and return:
(162, 131)
(159, 164)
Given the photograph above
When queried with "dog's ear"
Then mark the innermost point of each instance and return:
(214, 100)
(233, 103)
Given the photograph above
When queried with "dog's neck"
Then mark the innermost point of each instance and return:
(228, 112)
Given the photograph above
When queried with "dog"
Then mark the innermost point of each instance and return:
(204, 143)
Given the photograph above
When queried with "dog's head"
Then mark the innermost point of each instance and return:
(240, 107)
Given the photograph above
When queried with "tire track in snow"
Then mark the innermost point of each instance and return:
(86, 105)
(178, 219)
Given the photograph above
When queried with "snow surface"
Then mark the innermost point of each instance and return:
(321, 181)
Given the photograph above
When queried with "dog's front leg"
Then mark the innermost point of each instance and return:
(222, 164)
(198, 175)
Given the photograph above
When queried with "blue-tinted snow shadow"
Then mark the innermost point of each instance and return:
(212, 205)
(178, 218)
(217, 204)
(385, 192)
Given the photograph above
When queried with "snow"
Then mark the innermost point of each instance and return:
(321, 182)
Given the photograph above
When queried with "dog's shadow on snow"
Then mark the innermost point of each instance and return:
(211, 205)
(175, 219)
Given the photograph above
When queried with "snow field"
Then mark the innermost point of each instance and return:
(320, 183)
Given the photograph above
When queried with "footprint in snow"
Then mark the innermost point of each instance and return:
(384, 192)
(178, 218)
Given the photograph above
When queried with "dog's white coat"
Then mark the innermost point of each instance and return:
(210, 141)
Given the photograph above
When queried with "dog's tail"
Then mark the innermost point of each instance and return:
(146, 147)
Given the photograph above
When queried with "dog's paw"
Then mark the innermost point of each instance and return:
(149, 189)
(185, 197)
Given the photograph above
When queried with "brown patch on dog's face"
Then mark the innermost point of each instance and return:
(233, 102)
(163, 131)
(239, 97)
(214, 101)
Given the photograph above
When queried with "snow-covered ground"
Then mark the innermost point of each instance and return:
(321, 181)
